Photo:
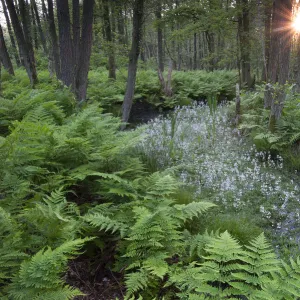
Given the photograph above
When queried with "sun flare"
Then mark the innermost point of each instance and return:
(296, 22)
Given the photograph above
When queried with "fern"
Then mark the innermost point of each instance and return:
(11, 255)
(136, 282)
(193, 209)
(31, 282)
(160, 186)
(286, 282)
(99, 220)
(260, 263)
(230, 271)
(156, 235)
(295, 138)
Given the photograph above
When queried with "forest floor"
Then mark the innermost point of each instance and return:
(99, 284)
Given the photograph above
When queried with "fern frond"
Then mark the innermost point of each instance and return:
(157, 265)
(295, 137)
(288, 279)
(40, 276)
(158, 185)
(105, 223)
(60, 293)
(135, 282)
(197, 243)
(193, 209)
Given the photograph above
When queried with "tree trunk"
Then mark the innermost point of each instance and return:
(26, 53)
(267, 24)
(126, 26)
(76, 33)
(137, 32)
(16, 6)
(160, 50)
(5, 59)
(109, 39)
(190, 54)
(238, 112)
(54, 53)
(26, 24)
(243, 30)
(297, 73)
(0, 80)
(113, 17)
(85, 49)
(39, 26)
(33, 28)
(25, 18)
(279, 56)
(65, 43)
(275, 42)
(166, 85)
(120, 22)
(44, 10)
(246, 44)
(211, 49)
(195, 52)
(11, 35)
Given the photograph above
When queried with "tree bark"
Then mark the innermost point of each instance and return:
(26, 24)
(76, 32)
(54, 52)
(5, 59)
(110, 42)
(0, 80)
(211, 49)
(244, 38)
(160, 50)
(195, 52)
(166, 85)
(297, 73)
(267, 41)
(138, 14)
(25, 47)
(26, 18)
(238, 113)
(85, 49)
(33, 28)
(120, 22)
(44, 10)
(65, 43)
(39, 26)
(281, 37)
(11, 35)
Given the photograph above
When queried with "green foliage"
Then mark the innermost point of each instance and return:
(241, 227)
(39, 277)
(230, 271)
(45, 101)
(152, 230)
(285, 138)
(199, 85)
(67, 174)
(51, 158)
(187, 86)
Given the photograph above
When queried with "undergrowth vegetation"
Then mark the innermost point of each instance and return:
(285, 140)
(216, 163)
(73, 184)
(187, 86)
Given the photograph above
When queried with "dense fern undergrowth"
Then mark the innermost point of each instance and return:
(285, 140)
(72, 184)
(187, 86)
